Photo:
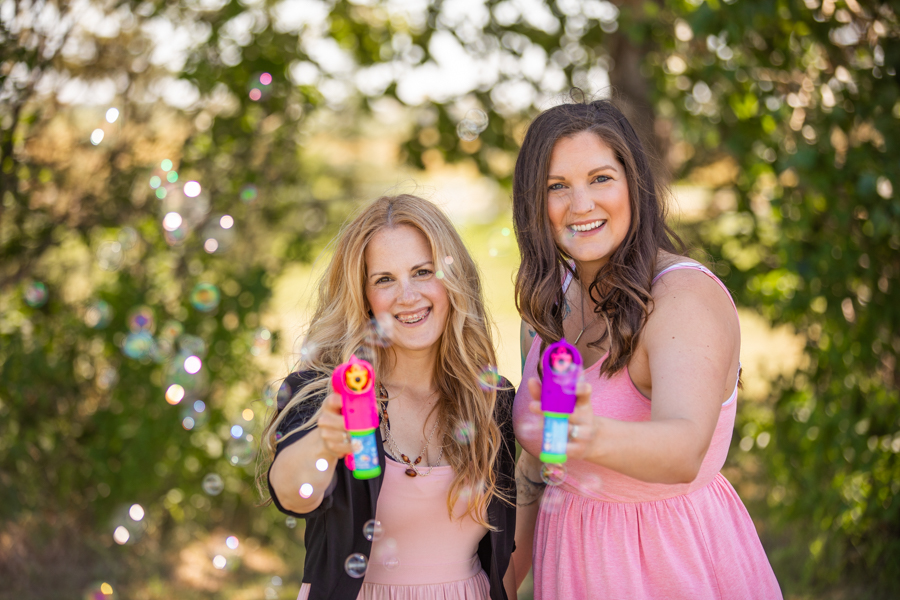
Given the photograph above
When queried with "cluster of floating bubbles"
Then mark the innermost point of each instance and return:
(205, 297)
(489, 378)
(553, 474)
(475, 122)
(36, 294)
(213, 484)
(356, 565)
(260, 86)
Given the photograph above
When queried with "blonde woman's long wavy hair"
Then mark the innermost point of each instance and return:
(342, 324)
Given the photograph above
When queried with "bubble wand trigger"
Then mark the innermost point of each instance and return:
(562, 367)
(354, 380)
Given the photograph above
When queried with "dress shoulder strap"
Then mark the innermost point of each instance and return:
(696, 267)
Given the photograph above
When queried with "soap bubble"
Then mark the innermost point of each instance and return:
(170, 330)
(239, 451)
(306, 490)
(249, 193)
(284, 395)
(141, 319)
(138, 345)
(213, 484)
(467, 130)
(128, 237)
(356, 565)
(373, 530)
(205, 297)
(489, 378)
(98, 314)
(110, 256)
(291, 522)
(477, 118)
(192, 344)
(381, 330)
(553, 474)
(218, 237)
(391, 562)
(36, 294)
(464, 432)
(193, 364)
(232, 542)
(174, 394)
(321, 464)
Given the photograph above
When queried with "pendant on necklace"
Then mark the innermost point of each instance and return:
(411, 472)
(579, 336)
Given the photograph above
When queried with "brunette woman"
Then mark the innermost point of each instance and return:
(643, 511)
(439, 521)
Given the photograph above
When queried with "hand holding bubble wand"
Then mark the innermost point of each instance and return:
(562, 367)
(354, 381)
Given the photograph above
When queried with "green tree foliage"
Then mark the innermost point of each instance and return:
(789, 108)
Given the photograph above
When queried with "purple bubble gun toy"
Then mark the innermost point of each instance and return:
(562, 368)
(355, 382)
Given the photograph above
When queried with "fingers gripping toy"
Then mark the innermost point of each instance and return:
(355, 382)
(561, 368)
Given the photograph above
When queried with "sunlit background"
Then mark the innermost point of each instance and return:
(172, 174)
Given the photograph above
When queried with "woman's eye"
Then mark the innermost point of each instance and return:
(423, 272)
(382, 280)
(555, 186)
(601, 178)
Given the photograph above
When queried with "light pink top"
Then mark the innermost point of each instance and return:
(422, 553)
(601, 534)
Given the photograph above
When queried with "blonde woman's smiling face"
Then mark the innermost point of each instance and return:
(401, 285)
(587, 199)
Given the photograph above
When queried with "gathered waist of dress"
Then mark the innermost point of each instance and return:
(615, 491)
(392, 571)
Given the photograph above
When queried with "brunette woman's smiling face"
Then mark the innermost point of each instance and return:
(587, 200)
(402, 287)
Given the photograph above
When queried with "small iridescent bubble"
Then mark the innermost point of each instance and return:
(373, 530)
(249, 193)
(128, 237)
(284, 395)
(170, 330)
(467, 131)
(205, 297)
(356, 565)
(240, 451)
(98, 315)
(110, 256)
(174, 394)
(391, 562)
(138, 345)
(199, 406)
(141, 319)
(381, 331)
(213, 484)
(553, 474)
(489, 378)
(192, 344)
(306, 490)
(291, 522)
(464, 433)
(36, 294)
(478, 118)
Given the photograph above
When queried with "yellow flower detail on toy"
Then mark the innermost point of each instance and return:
(357, 378)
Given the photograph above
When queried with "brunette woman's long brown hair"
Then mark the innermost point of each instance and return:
(621, 289)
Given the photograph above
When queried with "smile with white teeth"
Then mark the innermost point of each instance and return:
(410, 318)
(588, 226)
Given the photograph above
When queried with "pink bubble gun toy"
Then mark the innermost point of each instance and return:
(562, 368)
(355, 382)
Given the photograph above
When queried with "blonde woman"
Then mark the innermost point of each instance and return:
(439, 522)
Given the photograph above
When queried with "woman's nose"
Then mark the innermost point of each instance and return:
(408, 292)
(581, 201)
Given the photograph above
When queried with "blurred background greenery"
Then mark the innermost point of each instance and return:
(171, 174)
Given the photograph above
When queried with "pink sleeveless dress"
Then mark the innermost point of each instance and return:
(422, 553)
(601, 534)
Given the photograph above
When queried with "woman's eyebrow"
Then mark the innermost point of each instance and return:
(591, 172)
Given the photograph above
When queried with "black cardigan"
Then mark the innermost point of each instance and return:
(334, 530)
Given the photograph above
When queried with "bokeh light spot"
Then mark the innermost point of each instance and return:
(188, 423)
(121, 535)
(161, 193)
(237, 431)
(232, 542)
(166, 165)
(213, 484)
(205, 297)
(192, 364)
(172, 176)
(96, 136)
(306, 490)
(489, 378)
(112, 115)
(136, 512)
(192, 189)
(199, 406)
(247, 414)
(226, 222)
(174, 394)
(155, 182)
(211, 245)
(322, 464)
(172, 221)
(265, 79)
(36, 294)
(255, 94)
(105, 588)
(219, 561)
